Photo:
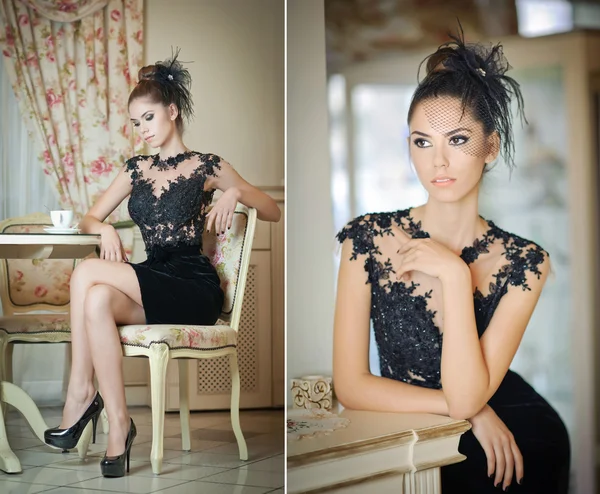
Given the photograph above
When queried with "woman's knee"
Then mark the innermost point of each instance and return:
(84, 274)
(98, 302)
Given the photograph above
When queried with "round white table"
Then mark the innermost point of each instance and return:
(37, 246)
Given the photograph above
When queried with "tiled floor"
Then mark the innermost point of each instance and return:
(212, 467)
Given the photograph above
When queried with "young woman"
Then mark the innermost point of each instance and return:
(170, 194)
(449, 293)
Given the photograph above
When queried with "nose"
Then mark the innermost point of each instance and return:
(439, 158)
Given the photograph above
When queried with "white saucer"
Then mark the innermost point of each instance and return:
(59, 230)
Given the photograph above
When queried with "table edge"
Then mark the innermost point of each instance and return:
(381, 442)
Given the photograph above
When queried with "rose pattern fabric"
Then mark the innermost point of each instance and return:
(222, 249)
(65, 10)
(38, 323)
(194, 337)
(59, 70)
(37, 281)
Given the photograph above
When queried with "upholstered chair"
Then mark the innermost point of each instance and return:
(230, 254)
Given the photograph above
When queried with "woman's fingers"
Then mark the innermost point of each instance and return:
(500, 463)
(408, 246)
(510, 464)
(407, 264)
(230, 219)
(491, 459)
(209, 220)
(519, 470)
(220, 222)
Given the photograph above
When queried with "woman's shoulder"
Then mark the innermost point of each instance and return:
(525, 256)
(514, 243)
(133, 162)
(211, 162)
(363, 229)
(371, 224)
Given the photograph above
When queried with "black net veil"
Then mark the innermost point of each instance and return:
(466, 95)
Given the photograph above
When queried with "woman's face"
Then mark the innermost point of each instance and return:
(449, 149)
(153, 121)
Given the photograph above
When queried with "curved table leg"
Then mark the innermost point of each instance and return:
(15, 396)
(9, 463)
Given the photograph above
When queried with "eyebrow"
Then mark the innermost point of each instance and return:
(134, 119)
(447, 134)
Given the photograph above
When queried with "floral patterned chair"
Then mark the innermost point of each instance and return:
(230, 254)
(28, 287)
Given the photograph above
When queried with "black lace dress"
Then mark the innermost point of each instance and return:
(168, 202)
(407, 322)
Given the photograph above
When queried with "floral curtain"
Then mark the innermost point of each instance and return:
(65, 10)
(72, 79)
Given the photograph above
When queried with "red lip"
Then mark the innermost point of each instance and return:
(148, 138)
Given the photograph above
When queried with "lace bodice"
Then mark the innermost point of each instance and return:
(407, 316)
(168, 201)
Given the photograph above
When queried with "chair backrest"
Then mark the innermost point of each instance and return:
(230, 253)
(28, 285)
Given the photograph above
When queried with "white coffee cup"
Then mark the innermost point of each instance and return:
(61, 218)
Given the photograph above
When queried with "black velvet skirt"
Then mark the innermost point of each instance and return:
(540, 435)
(179, 285)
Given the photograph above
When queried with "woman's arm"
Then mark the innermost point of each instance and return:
(230, 182)
(355, 386)
(118, 190)
(473, 368)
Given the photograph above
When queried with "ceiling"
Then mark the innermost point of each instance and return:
(359, 30)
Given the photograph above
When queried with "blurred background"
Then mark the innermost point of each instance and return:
(352, 69)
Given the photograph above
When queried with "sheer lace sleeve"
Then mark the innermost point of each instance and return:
(132, 167)
(362, 231)
(212, 164)
(359, 230)
(526, 258)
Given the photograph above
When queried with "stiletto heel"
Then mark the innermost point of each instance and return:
(68, 438)
(94, 424)
(114, 466)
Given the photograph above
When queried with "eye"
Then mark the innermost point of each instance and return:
(458, 140)
(422, 143)
(149, 117)
(136, 124)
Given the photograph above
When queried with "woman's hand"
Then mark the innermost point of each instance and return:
(111, 248)
(428, 256)
(501, 450)
(221, 215)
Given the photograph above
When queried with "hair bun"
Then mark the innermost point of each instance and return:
(476, 59)
(147, 73)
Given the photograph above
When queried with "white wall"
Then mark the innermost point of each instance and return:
(310, 241)
(237, 49)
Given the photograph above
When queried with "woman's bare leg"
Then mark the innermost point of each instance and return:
(106, 305)
(81, 390)
(86, 275)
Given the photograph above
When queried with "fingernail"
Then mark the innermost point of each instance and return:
(506, 488)
(521, 481)
(490, 475)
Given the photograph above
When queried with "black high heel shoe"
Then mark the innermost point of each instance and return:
(114, 466)
(68, 438)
